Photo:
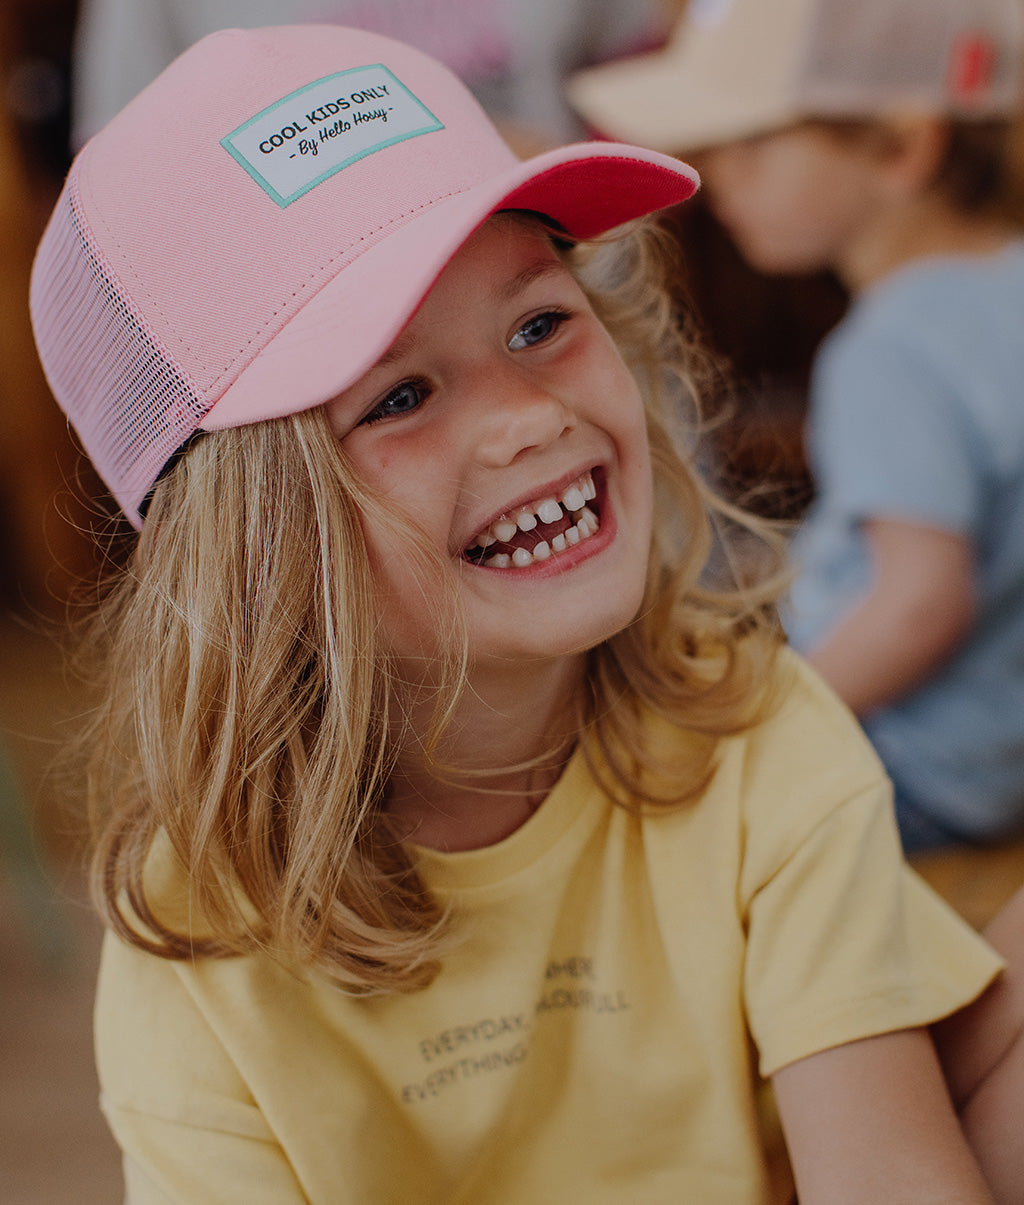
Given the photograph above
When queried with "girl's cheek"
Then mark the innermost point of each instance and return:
(383, 465)
(377, 461)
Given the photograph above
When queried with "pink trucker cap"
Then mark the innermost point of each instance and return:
(736, 68)
(248, 236)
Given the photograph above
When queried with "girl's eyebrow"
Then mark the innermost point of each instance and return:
(509, 291)
(532, 272)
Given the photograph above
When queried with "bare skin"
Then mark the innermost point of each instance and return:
(982, 1053)
(918, 610)
(872, 1122)
(502, 391)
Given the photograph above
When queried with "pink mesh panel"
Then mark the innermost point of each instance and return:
(130, 404)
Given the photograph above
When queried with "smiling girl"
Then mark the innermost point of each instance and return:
(463, 835)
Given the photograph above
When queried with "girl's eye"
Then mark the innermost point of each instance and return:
(403, 399)
(535, 330)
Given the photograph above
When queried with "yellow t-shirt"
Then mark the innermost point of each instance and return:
(600, 1034)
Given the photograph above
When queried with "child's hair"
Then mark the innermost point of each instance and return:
(249, 704)
(981, 171)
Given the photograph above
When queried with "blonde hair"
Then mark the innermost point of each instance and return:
(249, 703)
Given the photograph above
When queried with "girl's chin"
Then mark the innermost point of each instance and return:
(541, 644)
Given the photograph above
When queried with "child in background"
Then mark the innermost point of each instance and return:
(458, 840)
(877, 139)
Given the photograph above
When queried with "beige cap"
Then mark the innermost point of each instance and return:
(736, 68)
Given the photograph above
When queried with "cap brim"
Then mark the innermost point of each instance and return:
(659, 103)
(347, 326)
(650, 100)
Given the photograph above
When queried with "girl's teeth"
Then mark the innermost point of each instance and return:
(587, 522)
(573, 499)
(548, 510)
(522, 557)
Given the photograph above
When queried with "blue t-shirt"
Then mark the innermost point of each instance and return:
(918, 414)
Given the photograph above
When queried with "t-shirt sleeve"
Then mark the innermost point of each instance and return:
(890, 434)
(189, 1129)
(844, 941)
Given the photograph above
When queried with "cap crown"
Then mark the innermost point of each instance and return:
(961, 57)
(249, 234)
(174, 265)
(736, 68)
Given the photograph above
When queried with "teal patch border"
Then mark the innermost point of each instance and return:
(430, 127)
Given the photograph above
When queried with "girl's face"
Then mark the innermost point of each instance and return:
(504, 424)
(794, 201)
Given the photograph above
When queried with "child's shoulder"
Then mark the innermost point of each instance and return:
(952, 321)
(807, 731)
(803, 777)
(951, 288)
(806, 741)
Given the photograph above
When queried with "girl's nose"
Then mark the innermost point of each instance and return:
(517, 416)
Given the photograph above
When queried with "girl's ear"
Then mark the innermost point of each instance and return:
(911, 150)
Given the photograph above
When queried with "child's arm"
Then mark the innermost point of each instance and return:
(982, 1053)
(872, 1122)
(919, 608)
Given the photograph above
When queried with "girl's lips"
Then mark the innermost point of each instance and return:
(536, 532)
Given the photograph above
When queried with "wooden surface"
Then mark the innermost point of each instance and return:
(977, 882)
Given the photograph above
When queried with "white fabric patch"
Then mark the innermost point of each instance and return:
(316, 131)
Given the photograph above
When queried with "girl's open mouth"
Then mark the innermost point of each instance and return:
(540, 530)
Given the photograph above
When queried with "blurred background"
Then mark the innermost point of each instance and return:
(54, 1147)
